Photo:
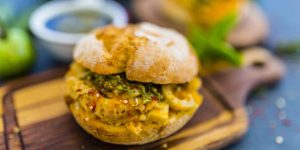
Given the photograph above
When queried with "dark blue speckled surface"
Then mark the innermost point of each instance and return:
(265, 125)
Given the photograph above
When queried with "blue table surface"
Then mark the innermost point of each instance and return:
(267, 121)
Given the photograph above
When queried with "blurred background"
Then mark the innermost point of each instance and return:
(38, 35)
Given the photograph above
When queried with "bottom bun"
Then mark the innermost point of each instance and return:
(120, 134)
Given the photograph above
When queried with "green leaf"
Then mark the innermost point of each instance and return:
(198, 39)
(223, 28)
(211, 46)
(225, 51)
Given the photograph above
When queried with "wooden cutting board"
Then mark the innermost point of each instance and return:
(36, 117)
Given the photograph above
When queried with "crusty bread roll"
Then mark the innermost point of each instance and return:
(145, 52)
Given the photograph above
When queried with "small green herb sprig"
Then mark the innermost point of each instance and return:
(211, 45)
(288, 48)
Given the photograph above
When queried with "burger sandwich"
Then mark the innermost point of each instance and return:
(134, 84)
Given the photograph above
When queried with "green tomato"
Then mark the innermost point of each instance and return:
(16, 52)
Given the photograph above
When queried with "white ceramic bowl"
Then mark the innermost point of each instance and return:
(61, 44)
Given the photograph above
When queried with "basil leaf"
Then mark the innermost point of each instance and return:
(211, 46)
(223, 28)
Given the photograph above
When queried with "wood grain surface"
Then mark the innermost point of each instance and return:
(2, 140)
(36, 107)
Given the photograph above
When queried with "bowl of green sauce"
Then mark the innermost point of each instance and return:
(59, 25)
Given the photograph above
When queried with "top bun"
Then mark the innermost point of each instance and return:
(145, 52)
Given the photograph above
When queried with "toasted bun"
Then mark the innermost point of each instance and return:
(121, 135)
(145, 52)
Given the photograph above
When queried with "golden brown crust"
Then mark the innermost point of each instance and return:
(145, 52)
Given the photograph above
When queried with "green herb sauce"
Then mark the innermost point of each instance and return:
(118, 84)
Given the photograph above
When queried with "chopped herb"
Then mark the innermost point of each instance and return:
(118, 84)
